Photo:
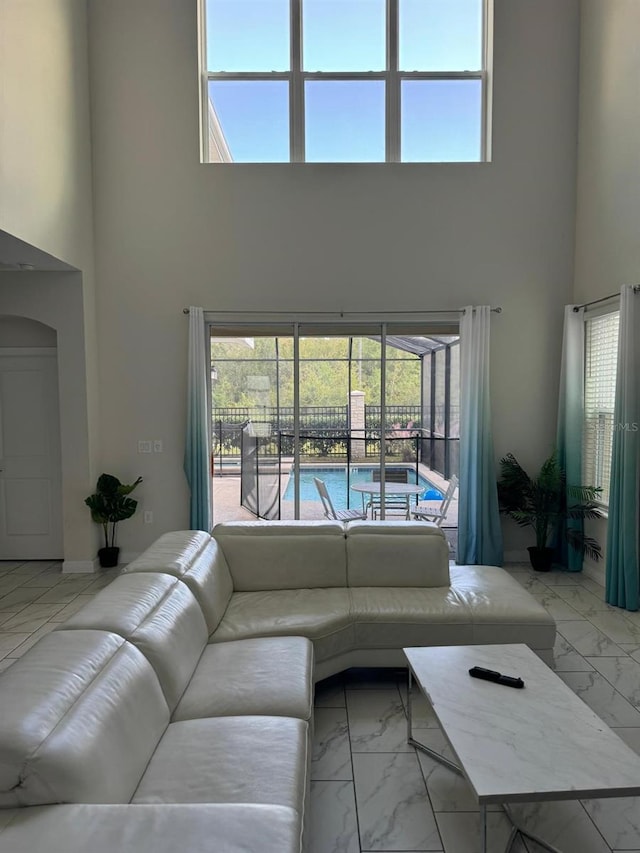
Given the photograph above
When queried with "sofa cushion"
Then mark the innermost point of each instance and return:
(202, 828)
(195, 558)
(395, 618)
(396, 554)
(80, 716)
(229, 760)
(159, 615)
(322, 615)
(269, 555)
(272, 676)
(501, 610)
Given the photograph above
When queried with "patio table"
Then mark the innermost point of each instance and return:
(390, 489)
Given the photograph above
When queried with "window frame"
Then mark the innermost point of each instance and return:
(392, 78)
(589, 316)
(239, 325)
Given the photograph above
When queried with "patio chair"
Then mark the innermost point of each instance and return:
(330, 512)
(398, 504)
(434, 511)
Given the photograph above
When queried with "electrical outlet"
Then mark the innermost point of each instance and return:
(148, 516)
(144, 447)
(157, 445)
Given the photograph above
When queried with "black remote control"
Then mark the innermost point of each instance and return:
(496, 677)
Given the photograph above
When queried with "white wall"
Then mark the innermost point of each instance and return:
(45, 162)
(608, 210)
(608, 206)
(173, 232)
(46, 178)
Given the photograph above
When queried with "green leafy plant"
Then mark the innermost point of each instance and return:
(546, 503)
(110, 504)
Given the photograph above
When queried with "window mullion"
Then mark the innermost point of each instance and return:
(487, 78)
(248, 75)
(296, 85)
(205, 153)
(392, 85)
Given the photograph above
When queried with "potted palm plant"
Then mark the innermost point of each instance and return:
(110, 504)
(546, 503)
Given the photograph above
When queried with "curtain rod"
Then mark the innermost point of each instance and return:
(636, 288)
(497, 310)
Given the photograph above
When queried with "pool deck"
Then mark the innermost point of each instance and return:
(226, 501)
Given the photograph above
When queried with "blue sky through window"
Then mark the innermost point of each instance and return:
(344, 35)
(441, 121)
(440, 35)
(248, 35)
(344, 121)
(255, 118)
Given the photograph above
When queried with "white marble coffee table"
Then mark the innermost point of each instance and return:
(540, 742)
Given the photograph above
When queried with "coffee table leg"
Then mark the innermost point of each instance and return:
(518, 830)
(416, 744)
(409, 733)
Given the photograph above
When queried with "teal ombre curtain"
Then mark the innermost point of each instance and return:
(479, 530)
(570, 420)
(623, 551)
(197, 447)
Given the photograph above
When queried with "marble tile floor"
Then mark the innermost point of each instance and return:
(372, 792)
(369, 790)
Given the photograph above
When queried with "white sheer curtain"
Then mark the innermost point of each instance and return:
(198, 444)
(479, 529)
(569, 430)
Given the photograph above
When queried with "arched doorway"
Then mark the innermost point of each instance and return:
(30, 450)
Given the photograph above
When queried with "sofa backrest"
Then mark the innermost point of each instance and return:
(265, 555)
(160, 616)
(195, 558)
(396, 553)
(81, 714)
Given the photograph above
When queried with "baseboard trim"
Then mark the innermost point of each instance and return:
(70, 567)
(595, 573)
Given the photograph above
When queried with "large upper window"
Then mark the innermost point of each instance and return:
(344, 81)
(601, 348)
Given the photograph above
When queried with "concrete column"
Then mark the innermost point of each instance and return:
(356, 425)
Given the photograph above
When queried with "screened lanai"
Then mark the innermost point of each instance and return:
(340, 407)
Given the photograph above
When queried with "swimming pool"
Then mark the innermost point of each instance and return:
(336, 483)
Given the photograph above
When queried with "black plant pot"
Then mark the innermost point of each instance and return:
(541, 558)
(108, 557)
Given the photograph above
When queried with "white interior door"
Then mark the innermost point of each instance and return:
(30, 468)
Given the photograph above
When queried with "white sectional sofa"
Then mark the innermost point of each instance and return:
(174, 711)
(365, 590)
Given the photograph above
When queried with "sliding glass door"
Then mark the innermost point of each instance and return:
(347, 404)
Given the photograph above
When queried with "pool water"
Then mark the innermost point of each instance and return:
(336, 482)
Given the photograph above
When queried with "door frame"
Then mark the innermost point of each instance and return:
(44, 352)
